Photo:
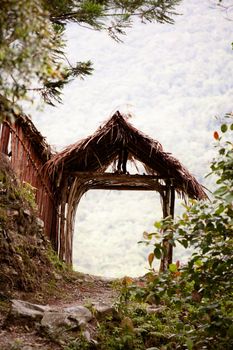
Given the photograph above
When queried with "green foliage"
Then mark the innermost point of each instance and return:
(202, 289)
(79, 344)
(55, 261)
(27, 193)
(28, 45)
(111, 15)
(186, 307)
(32, 45)
(11, 189)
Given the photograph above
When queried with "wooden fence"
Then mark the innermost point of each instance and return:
(28, 152)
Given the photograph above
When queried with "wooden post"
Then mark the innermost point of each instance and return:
(171, 213)
(54, 226)
(76, 191)
(168, 202)
(62, 235)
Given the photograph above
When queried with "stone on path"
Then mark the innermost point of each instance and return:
(52, 320)
(23, 309)
(103, 310)
(79, 313)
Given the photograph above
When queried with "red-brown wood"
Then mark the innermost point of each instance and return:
(5, 136)
(27, 164)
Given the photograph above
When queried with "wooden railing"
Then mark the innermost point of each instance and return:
(28, 152)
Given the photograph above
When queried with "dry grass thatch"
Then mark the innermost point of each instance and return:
(96, 152)
(41, 146)
(14, 119)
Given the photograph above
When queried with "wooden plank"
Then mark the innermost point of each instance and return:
(24, 165)
(5, 137)
(17, 147)
(27, 167)
(13, 150)
(21, 163)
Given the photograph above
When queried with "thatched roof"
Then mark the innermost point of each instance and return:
(96, 152)
(13, 118)
(41, 146)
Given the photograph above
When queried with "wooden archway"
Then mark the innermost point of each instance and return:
(84, 181)
(83, 166)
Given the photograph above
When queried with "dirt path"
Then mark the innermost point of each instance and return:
(82, 290)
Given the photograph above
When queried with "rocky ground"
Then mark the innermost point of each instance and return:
(43, 304)
(49, 321)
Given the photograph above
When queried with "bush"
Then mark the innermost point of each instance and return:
(201, 292)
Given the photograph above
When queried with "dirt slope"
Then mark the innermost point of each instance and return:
(30, 270)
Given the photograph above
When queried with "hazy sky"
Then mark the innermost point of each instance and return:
(175, 80)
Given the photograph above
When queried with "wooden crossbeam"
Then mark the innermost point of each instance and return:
(115, 181)
(125, 187)
(93, 175)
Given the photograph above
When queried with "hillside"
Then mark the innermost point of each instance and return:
(30, 270)
(44, 305)
(25, 254)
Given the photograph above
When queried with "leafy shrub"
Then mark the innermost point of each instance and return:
(201, 291)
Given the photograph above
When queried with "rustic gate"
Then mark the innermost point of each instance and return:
(61, 179)
(99, 162)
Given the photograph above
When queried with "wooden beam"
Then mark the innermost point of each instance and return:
(121, 187)
(96, 175)
(122, 182)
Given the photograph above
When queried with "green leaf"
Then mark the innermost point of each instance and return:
(184, 243)
(172, 267)
(189, 344)
(224, 127)
(158, 224)
(222, 151)
(157, 253)
(220, 209)
(198, 262)
(221, 190)
(230, 331)
(229, 198)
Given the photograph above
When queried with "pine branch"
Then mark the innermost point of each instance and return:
(51, 91)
